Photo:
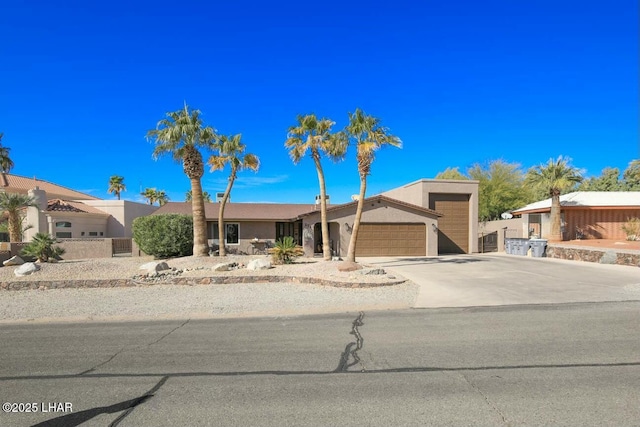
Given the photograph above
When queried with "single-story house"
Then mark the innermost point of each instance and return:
(423, 218)
(585, 215)
(67, 213)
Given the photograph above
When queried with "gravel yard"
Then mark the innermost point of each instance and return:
(199, 301)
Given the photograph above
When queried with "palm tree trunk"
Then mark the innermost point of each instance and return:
(200, 243)
(326, 248)
(221, 236)
(555, 218)
(15, 225)
(351, 254)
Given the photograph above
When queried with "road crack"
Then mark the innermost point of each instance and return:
(487, 400)
(353, 347)
(123, 349)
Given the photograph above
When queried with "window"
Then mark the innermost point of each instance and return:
(93, 233)
(232, 232)
(63, 224)
(63, 234)
(293, 229)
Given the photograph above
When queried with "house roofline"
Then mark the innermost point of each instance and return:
(379, 197)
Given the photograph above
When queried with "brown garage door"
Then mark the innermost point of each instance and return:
(453, 226)
(392, 240)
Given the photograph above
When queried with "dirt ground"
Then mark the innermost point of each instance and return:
(605, 244)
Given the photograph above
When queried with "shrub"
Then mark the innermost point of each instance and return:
(41, 248)
(632, 228)
(165, 235)
(285, 251)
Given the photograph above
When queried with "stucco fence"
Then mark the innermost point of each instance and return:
(82, 248)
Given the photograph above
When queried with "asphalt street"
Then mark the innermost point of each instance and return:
(561, 365)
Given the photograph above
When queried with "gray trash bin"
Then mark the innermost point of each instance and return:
(520, 246)
(538, 247)
(508, 246)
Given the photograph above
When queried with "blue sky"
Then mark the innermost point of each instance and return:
(459, 82)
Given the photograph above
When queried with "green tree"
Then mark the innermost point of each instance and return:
(451, 173)
(368, 136)
(6, 164)
(42, 248)
(230, 152)
(205, 196)
(607, 181)
(161, 197)
(314, 135)
(556, 177)
(500, 188)
(150, 194)
(116, 185)
(631, 176)
(182, 134)
(13, 205)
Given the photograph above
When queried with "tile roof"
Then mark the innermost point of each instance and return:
(57, 205)
(599, 199)
(381, 197)
(20, 184)
(271, 211)
(243, 211)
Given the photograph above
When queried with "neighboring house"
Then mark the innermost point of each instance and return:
(66, 213)
(585, 215)
(426, 217)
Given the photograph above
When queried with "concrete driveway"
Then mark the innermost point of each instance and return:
(500, 279)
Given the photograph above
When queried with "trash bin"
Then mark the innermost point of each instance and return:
(508, 246)
(538, 247)
(520, 246)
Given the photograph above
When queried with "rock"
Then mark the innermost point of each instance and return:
(26, 269)
(154, 266)
(259, 264)
(372, 271)
(609, 257)
(349, 266)
(224, 266)
(336, 258)
(14, 260)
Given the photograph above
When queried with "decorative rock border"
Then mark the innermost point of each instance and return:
(602, 256)
(184, 281)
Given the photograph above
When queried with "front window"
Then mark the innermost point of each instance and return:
(63, 234)
(63, 224)
(232, 232)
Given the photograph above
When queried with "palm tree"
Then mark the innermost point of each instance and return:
(161, 197)
(205, 196)
(150, 194)
(13, 205)
(181, 134)
(116, 185)
(6, 164)
(313, 135)
(231, 152)
(368, 137)
(556, 177)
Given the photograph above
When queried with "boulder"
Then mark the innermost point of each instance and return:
(259, 264)
(349, 266)
(14, 260)
(154, 266)
(26, 269)
(224, 266)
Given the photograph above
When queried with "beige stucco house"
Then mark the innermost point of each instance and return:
(65, 213)
(423, 218)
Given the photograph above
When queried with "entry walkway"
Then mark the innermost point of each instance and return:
(500, 279)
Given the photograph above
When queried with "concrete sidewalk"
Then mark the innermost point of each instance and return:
(500, 279)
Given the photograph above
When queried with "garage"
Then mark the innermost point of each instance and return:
(453, 226)
(391, 239)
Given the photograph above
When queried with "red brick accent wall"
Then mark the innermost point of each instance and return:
(598, 223)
